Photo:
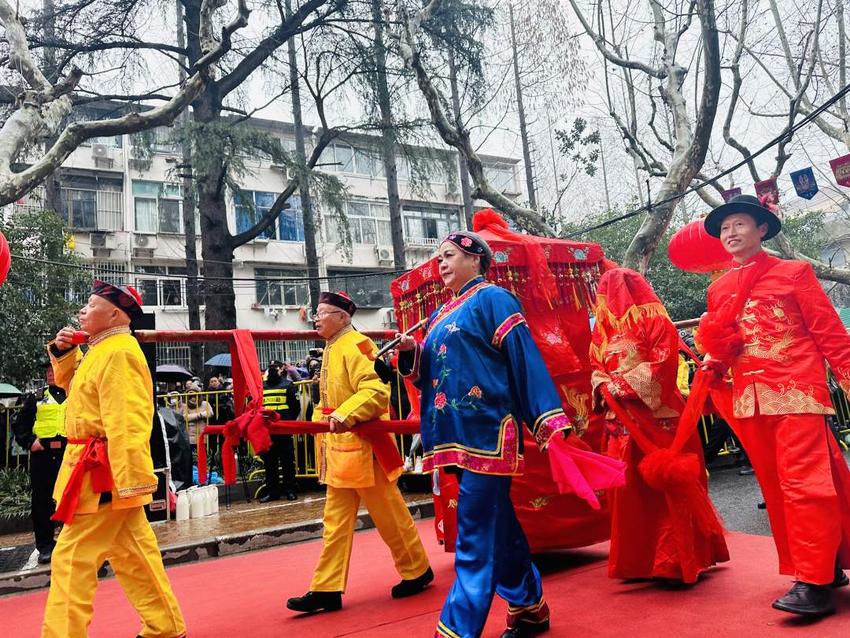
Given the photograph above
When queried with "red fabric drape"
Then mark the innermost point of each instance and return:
(94, 459)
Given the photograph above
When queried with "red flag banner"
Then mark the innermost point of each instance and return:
(732, 192)
(768, 187)
(841, 169)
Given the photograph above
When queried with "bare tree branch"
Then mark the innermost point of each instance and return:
(453, 134)
(43, 107)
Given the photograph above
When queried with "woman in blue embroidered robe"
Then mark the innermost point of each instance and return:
(481, 377)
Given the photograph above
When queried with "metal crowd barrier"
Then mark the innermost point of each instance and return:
(13, 454)
(202, 410)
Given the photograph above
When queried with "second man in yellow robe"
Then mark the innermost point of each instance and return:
(357, 468)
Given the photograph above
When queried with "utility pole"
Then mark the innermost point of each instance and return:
(52, 185)
(465, 190)
(604, 173)
(184, 170)
(310, 251)
(557, 210)
(523, 128)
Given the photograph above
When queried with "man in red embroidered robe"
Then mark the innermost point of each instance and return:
(772, 323)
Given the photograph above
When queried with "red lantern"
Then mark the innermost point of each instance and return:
(5, 258)
(692, 249)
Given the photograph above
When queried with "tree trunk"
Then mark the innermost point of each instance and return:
(523, 128)
(216, 244)
(193, 297)
(690, 147)
(388, 141)
(310, 229)
(465, 189)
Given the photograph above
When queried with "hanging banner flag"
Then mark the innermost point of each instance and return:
(768, 187)
(841, 169)
(732, 192)
(804, 182)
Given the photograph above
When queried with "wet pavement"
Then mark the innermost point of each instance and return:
(235, 529)
(247, 526)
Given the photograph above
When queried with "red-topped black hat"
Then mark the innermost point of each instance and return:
(339, 299)
(126, 298)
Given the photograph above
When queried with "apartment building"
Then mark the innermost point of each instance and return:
(126, 216)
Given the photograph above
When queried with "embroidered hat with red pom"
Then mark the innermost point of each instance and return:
(472, 244)
(125, 298)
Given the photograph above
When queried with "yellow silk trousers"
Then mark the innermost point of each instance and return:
(392, 519)
(125, 537)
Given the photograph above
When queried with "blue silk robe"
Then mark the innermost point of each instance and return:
(481, 375)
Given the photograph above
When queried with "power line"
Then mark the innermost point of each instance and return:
(111, 273)
(787, 133)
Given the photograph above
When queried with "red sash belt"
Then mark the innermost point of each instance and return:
(383, 445)
(94, 459)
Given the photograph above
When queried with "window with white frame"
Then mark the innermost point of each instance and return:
(250, 207)
(278, 287)
(291, 221)
(369, 223)
(158, 207)
(343, 158)
(501, 177)
(92, 202)
(161, 139)
(286, 351)
(367, 291)
(428, 225)
(161, 286)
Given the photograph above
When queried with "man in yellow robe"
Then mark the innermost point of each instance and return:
(357, 468)
(107, 474)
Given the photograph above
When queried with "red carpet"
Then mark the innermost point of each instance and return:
(243, 596)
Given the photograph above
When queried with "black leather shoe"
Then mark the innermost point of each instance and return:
(806, 599)
(840, 579)
(44, 557)
(316, 601)
(268, 498)
(291, 496)
(413, 586)
(526, 629)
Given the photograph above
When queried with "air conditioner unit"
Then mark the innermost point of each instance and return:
(146, 242)
(101, 151)
(261, 240)
(385, 254)
(102, 240)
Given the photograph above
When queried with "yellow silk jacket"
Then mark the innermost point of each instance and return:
(110, 394)
(349, 386)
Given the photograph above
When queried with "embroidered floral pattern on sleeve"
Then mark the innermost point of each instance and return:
(506, 326)
(549, 424)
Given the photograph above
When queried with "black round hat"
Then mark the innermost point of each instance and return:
(747, 204)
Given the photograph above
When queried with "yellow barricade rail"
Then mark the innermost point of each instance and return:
(199, 409)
